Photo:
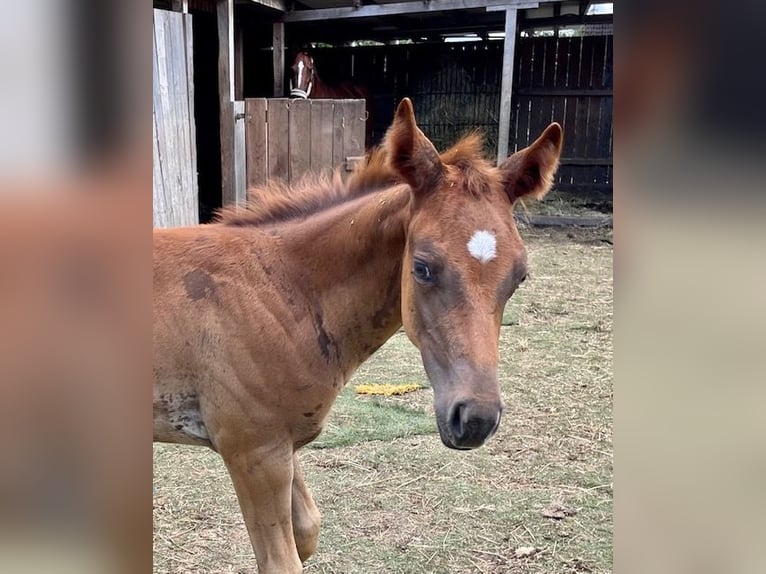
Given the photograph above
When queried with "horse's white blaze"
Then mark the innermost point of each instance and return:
(483, 246)
(301, 65)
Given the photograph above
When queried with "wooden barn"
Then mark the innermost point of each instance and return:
(507, 67)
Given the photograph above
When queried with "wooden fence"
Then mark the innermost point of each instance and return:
(568, 80)
(286, 138)
(174, 147)
(456, 88)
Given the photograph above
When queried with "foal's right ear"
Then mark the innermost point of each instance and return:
(411, 154)
(529, 172)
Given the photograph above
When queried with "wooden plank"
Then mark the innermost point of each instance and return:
(523, 134)
(240, 154)
(255, 142)
(189, 52)
(160, 216)
(161, 156)
(339, 124)
(278, 138)
(580, 127)
(559, 80)
(566, 20)
(605, 128)
(173, 147)
(274, 4)
(539, 46)
(278, 58)
(586, 161)
(570, 116)
(321, 135)
(544, 115)
(524, 57)
(549, 67)
(608, 64)
(225, 17)
(170, 135)
(374, 10)
(506, 85)
(596, 57)
(564, 92)
(354, 129)
(562, 221)
(184, 110)
(573, 67)
(299, 138)
(562, 62)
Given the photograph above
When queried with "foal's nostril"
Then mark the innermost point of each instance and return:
(456, 420)
(471, 424)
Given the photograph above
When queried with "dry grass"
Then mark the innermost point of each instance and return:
(581, 204)
(406, 504)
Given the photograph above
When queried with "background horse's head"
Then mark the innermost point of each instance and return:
(463, 260)
(302, 76)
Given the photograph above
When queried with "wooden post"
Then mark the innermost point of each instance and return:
(504, 127)
(278, 43)
(225, 13)
(240, 183)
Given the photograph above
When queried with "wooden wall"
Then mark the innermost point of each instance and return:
(174, 148)
(568, 80)
(286, 138)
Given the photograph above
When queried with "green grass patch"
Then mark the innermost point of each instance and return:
(356, 419)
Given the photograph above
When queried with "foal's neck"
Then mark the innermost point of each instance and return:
(348, 260)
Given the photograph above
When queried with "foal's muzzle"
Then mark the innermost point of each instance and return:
(469, 424)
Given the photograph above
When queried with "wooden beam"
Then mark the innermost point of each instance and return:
(506, 85)
(374, 10)
(504, 7)
(566, 20)
(562, 221)
(278, 45)
(225, 16)
(280, 5)
(571, 92)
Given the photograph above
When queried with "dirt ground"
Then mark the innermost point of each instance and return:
(536, 499)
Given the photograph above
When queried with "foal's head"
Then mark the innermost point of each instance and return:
(463, 260)
(302, 76)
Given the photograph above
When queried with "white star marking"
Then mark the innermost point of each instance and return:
(482, 246)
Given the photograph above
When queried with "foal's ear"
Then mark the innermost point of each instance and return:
(529, 172)
(411, 154)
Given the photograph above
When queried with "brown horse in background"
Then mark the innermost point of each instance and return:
(262, 317)
(305, 83)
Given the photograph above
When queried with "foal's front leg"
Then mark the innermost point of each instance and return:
(306, 518)
(263, 480)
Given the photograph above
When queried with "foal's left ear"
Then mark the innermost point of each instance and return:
(529, 172)
(411, 153)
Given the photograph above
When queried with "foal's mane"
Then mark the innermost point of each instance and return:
(276, 201)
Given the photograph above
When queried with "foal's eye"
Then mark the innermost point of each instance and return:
(523, 279)
(422, 272)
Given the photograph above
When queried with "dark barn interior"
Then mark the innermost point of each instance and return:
(450, 62)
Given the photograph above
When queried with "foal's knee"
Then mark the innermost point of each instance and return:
(306, 532)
